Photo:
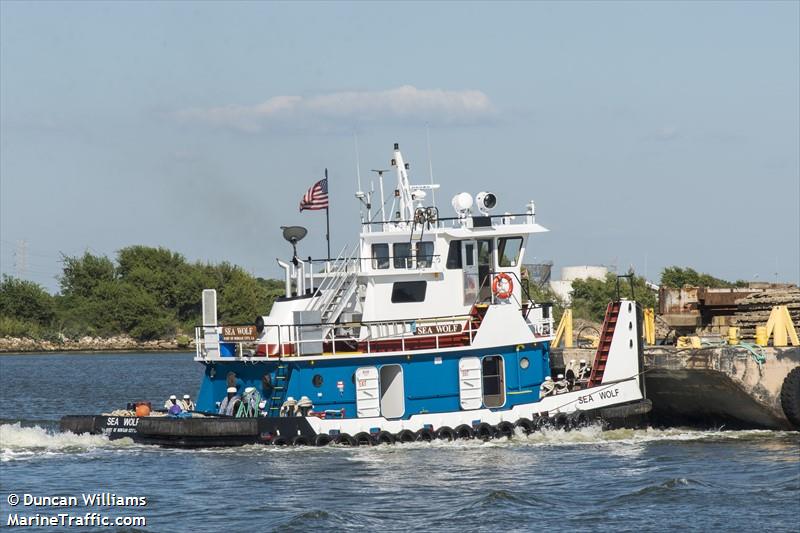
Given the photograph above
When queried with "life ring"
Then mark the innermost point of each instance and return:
(502, 286)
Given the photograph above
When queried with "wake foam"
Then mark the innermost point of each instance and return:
(20, 442)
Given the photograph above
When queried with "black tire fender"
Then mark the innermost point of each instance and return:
(446, 433)
(560, 421)
(344, 439)
(485, 431)
(505, 429)
(405, 436)
(280, 441)
(384, 437)
(364, 439)
(299, 440)
(464, 432)
(323, 439)
(525, 425)
(578, 420)
(425, 435)
(790, 397)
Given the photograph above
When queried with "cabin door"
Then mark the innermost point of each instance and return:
(469, 383)
(469, 263)
(367, 393)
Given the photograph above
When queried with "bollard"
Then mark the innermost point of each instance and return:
(733, 336)
(761, 336)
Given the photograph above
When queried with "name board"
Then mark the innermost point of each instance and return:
(438, 329)
(239, 333)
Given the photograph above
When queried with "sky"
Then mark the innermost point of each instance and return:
(649, 134)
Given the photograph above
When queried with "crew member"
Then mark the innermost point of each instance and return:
(546, 388)
(229, 403)
(187, 404)
(562, 385)
(289, 407)
(304, 405)
(570, 373)
(250, 400)
(584, 371)
(173, 400)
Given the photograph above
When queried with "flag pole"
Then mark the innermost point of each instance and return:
(327, 216)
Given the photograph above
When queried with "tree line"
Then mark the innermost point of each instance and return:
(147, 293)
(151, 293)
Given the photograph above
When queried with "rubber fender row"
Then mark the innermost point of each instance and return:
(482, 431)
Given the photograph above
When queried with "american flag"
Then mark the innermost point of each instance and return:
(316, 197)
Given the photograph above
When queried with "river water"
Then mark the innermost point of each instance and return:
(621, 480)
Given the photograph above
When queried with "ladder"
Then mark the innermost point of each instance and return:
(337, 288)
(606, 335)
(279, 387)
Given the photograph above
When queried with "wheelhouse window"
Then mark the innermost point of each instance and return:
(454, 255)
(469, 251)
(508, 251)
(402, 255)
(380, 256)
(494, 387)
(409, 291)
(424, 254)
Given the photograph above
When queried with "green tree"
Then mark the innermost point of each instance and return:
(26, 309)
(590, 297)
(81, 275)
(677, 277)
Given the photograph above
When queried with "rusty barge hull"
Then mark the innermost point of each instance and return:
(712, 387)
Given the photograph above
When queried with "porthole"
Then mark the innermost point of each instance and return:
(524, 363)
(317, 380)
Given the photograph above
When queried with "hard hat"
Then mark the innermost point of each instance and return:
(571, 361)
(262, 404)
(290, 399)
(548, 378)
(231, 390)
(561, 376)
(583, 361)
(248, 390)
(186, 396)
(173, 397)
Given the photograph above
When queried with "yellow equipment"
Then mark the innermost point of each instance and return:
(733, 336)
(564, 330)
(649, 330)
(689, 342)
(780, 327)
(762, 339)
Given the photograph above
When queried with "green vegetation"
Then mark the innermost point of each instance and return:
(147, 293)
(590, 297)
(677, 277)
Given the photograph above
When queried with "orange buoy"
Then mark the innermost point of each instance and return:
(143, 409)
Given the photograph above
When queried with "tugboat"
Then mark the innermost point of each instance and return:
(423, 330)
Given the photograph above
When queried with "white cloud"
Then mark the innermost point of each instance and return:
(402, 104)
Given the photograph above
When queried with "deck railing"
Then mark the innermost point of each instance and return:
(361, 337)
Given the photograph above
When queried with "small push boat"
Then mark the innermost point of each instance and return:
(423, 330)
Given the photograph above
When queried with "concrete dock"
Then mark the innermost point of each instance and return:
(711, 387)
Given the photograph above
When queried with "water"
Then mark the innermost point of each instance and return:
(621, 480)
